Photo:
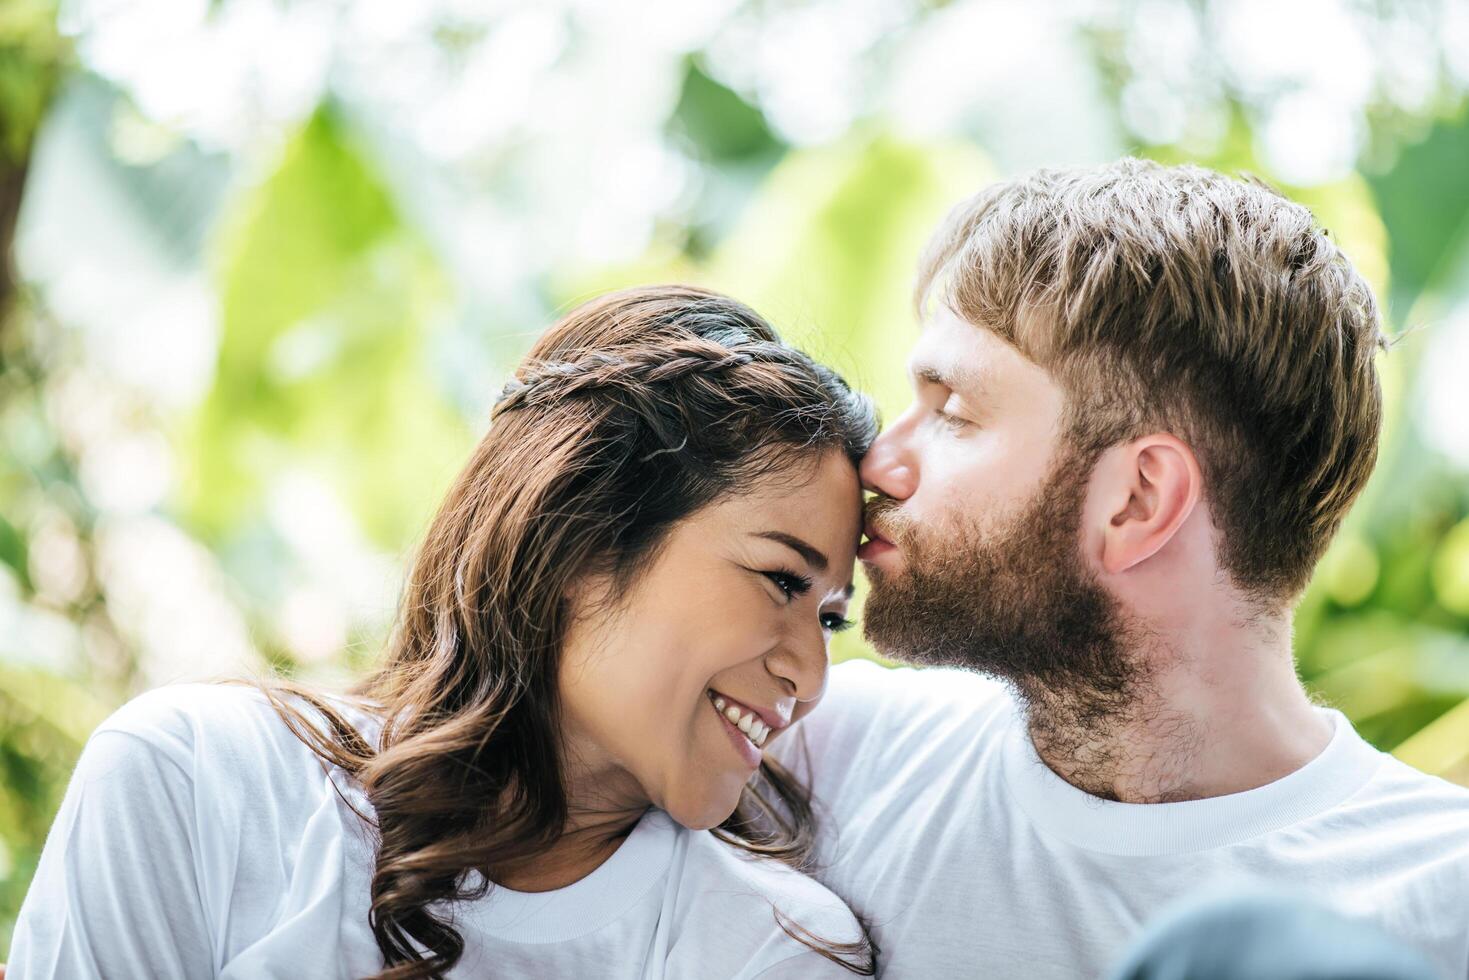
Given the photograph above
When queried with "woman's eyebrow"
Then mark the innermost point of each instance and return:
(813, 557)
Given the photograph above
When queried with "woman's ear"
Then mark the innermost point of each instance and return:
(1154, 484)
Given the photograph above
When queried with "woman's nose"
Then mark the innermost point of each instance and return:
(888, 468)
(801, 662)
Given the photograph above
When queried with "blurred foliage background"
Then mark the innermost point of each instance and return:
(266, 262)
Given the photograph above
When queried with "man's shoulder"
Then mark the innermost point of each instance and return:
(862, 692)
(1405, 822)
(885, 723)
(1400, 789)
(861, 675)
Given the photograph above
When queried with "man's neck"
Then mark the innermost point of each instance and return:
(1207, 716)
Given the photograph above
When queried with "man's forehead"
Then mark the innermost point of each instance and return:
(953, 352)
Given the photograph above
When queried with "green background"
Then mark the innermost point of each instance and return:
(248, 332)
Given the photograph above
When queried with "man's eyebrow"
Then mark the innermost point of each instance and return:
(813, 557)
(961, 378)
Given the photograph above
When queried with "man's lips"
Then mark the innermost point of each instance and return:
(875, 544)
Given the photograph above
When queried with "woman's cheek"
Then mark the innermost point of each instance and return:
(708, 784)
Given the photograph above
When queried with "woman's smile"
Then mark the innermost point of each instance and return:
(748, 728)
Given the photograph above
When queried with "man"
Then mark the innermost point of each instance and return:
(1144, 399)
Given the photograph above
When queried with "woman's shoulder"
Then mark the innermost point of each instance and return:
(181, 711)
(199, 710)
(224, 758)
(765, 904)
(227, 737)
(203, 790)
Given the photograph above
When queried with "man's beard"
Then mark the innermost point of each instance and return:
(1013, 600)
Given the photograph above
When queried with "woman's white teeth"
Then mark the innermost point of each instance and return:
(746, 721)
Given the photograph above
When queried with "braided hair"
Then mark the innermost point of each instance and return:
(633, 412)
(600, 370)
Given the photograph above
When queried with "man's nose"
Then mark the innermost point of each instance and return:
(888, 467)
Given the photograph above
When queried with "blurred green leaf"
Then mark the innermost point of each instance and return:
(718, 121)
(326, 300)
(1442, 746)
(62, 703)
(1424, 202)
(32, 54)
(13, 550)
(1451, 570)
(829, 246)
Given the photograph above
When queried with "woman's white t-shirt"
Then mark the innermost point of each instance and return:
(200, 838)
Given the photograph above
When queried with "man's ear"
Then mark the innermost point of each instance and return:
(1151, 487)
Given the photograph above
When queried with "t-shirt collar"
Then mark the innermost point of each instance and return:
(1141, 829)
(585, 906)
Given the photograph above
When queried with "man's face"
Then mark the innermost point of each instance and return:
(975, 445)
(974, 552)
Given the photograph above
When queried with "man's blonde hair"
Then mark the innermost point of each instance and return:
(1178, 299)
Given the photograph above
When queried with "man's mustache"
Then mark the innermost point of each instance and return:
(883, 516)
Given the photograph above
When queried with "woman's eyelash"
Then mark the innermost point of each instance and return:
(792, 584)
(836, 622)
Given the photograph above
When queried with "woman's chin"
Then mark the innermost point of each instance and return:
(703, 814)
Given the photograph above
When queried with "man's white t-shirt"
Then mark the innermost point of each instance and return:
(200, 838)
(970, 857)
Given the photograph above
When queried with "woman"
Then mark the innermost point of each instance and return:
(624, 599)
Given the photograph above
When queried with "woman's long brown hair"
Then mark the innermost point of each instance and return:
(630, 414)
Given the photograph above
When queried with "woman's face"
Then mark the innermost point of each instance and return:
(672, 691)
